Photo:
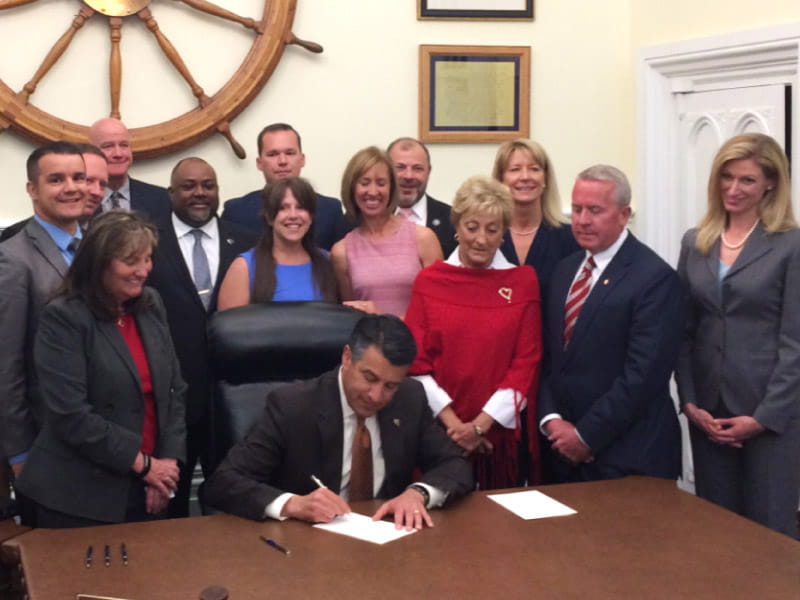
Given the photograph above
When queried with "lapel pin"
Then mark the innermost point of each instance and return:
(505, 292)
(605, 281)
(230, 241)
(396, 422)
(436, 222)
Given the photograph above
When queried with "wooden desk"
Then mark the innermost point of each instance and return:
(632, 538)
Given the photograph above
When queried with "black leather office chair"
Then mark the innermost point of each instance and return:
(255, 348)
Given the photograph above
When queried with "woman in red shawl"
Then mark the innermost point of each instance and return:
(476, 320)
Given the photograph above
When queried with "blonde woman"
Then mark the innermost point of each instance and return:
(537, 235)
(739, 371)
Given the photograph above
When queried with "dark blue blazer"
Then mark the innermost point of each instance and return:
(439, 221)
(151, 200)
(329, 223)
(612, 380)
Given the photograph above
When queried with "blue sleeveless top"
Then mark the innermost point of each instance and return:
(292, 282)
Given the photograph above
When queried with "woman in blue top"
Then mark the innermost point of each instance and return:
(285, 264)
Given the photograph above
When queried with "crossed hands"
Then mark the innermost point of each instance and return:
(732, 431)
(563, 437)
(160, 482)
(322, 506)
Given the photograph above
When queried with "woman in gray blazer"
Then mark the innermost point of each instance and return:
(113, 396)
(739, 371)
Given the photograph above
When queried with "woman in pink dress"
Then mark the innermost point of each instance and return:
(380, 258)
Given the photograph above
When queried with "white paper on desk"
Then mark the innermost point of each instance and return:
(532, 505)
(364, 528)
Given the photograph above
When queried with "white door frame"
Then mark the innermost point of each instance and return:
(755, 57)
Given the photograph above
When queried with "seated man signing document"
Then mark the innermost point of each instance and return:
(360, 430)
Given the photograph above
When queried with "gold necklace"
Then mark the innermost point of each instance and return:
(744, 239)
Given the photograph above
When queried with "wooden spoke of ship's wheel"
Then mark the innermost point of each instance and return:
(272, 33)
(222, 13)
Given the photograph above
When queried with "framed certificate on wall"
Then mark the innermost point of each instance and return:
(474, 93)
(475, 9)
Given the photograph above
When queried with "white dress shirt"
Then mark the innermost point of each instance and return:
(419, 211)
(210, 241)
(124, 199)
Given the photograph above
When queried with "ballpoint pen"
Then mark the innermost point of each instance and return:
(319, 483)
(108, 555)
(274, 544)
(124, 554)
(89, 554)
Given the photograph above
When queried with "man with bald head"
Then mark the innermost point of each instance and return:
(114, 139)
(194, 251)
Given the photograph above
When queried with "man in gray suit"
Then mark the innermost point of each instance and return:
(32, 265)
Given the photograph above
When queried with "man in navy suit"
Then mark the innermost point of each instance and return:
(113, 138)
(412, 165)
(612, 336)
(280, 154)
(194, 195)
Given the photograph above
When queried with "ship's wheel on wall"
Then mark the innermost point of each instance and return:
(213, 114)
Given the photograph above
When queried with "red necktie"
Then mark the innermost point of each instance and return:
(361, 464)
(576, 298)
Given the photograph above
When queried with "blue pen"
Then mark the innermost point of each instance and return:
(275, 545)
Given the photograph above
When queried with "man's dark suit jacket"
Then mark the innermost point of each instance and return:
(300, 434)
(31, 269)
(151, 200)
(94, 408)
(329, 223)
(612, 380)
(439, 221)
(186, 315)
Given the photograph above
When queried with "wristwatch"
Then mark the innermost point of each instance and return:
(426, 497)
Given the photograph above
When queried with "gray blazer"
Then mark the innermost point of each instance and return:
(94, 409)
(31, 268)
(742, 344)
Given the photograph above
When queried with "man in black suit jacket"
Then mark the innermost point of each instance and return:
(412, 165)
(113, 138)
(604, 402)
(194, 195)
(280, 155)
(308, 429)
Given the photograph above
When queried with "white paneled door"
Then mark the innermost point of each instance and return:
(705, 120)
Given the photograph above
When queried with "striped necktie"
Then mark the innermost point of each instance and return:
(576, 297)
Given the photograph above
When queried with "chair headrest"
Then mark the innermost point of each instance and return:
(278, 340)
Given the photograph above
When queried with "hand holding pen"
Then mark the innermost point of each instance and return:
(320, 506)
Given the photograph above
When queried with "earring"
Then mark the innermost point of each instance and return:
(455, 236)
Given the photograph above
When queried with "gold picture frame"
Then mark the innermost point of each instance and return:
(474, 93)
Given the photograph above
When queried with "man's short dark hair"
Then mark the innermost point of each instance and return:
(388, 334)
(408, 142)
(277, 127)
(57, 147)
(92, 149)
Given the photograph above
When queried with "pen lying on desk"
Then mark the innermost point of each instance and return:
(274, 544)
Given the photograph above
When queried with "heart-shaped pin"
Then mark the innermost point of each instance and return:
(505, 293)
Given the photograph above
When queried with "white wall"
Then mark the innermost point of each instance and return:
(362, 90)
